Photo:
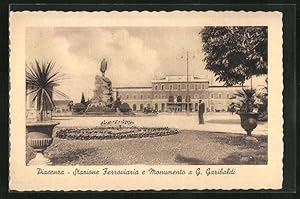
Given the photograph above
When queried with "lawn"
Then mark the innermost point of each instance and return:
(187, 147)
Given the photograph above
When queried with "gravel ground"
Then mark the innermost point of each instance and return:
(187, 147)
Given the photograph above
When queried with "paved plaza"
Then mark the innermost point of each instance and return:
(214, 122)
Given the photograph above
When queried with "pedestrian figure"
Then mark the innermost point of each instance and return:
(201, 112)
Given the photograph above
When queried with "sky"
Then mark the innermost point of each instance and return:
(135, 55)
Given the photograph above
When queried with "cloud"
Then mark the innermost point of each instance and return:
(80, 51)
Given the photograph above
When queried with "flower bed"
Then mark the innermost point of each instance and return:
(114, 130)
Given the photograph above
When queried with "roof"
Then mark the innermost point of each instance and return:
(179, 78)
(133, 88)
(61, 102)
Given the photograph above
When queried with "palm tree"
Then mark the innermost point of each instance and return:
(42, 77)
(247, 100)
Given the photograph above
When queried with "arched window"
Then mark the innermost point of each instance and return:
(171, 98)
(141, 107)
(163, 107)
(188, 98)
(134, 107)
(179, 99)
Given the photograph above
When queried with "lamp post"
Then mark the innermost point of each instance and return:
(187, 85)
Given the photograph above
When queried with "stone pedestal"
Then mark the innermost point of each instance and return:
(102, 92)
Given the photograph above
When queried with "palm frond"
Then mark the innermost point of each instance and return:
(43, 77)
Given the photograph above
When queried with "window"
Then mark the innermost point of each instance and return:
(155, 96)
(179, 99)
(196, 86)
(179, 87)
(141, 107)
(162, 87)
(171, 98)
(134, 107)
(183, 86)
(220, 95)
(212, 96)
(162, 107)
(171, 87)
(175, 86)
(196, 96)
(156, 107)
(192, 86)
(141, 96)
(127, 96)
(156, 87)
(202, 86)
(134, 96)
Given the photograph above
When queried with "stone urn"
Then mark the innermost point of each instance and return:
(249, 121)
(39, 137)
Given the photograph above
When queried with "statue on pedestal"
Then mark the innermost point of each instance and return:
(103, 89)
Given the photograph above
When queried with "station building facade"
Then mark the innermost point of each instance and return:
(177, 94)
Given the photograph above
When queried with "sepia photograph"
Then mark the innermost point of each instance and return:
(155, 95)
(126, 97)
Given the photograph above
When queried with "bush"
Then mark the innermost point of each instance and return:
(103, 133)
(99, 109)
(79, 107)
(124, 107)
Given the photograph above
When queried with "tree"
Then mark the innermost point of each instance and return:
(42, 77)
(82, 101)
(235, 53)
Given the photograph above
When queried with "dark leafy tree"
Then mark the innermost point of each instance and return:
(235, 53)
(82, 101)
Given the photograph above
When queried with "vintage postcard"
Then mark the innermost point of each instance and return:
(146, 100)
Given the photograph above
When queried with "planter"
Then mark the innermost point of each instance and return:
(248, 121)
(39, 137)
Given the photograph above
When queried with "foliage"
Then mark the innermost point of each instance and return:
(82, 101)
(41, 78)
(124, 107)
(113, 132)
(117, 103)
(263, 107)
(100, 109)
(235, 53)
(247, 100)
(79, 107)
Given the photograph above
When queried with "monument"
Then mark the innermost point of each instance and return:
(103, 90)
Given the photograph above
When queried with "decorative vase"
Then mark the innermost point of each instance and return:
(248, 121)
(39, 137)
